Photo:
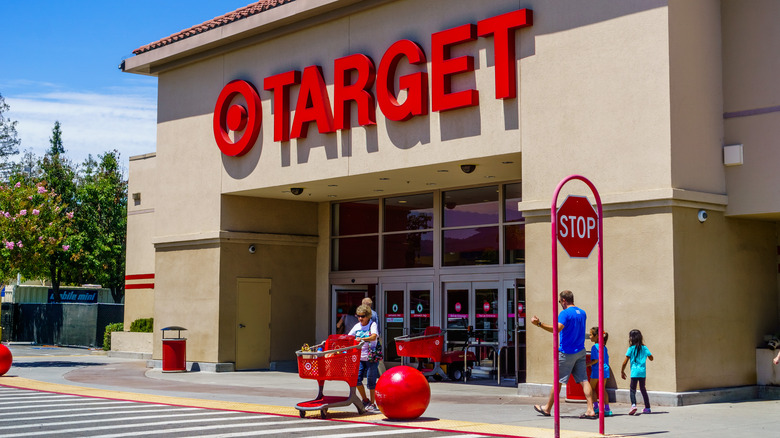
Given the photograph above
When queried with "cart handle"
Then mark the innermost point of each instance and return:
(323, 353)
(409, 337)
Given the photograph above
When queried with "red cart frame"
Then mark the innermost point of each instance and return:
(338, 360)
(428, 346)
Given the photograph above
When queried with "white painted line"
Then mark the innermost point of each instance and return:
(112, 410)
(37, 406)
(363, 434)
(131, 419)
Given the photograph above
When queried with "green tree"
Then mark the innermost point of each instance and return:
(101, 224)
(55, 141)
(9, 140)
(35, 228)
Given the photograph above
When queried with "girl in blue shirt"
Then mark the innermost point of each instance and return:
(638, 354)
(593, 363)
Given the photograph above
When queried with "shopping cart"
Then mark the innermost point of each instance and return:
(427, 346)
(338, 358)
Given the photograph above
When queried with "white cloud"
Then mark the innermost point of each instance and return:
(91, 123)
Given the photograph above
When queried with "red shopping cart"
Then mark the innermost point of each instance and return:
(427, 346)
(339, 359)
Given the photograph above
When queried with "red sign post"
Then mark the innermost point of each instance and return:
(578, 228)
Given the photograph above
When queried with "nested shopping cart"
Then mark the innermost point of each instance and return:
(427, 346)
(338, 358)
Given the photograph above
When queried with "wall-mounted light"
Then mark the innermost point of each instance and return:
(136, 198)
(732, 155)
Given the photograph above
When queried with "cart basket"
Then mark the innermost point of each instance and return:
(428, 346)
(338, 360)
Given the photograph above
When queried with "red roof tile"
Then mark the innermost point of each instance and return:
(238, 14)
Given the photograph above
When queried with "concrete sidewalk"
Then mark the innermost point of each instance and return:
(476, 408)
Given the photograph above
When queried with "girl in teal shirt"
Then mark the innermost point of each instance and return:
(637, 354)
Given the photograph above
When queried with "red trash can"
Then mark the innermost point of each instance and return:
(574, 391)
(174, 351)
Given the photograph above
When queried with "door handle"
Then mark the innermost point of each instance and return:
(241, 326)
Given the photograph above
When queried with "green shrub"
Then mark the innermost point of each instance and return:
(142, 325)
(115, 327)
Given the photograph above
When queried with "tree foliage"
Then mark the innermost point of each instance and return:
(9, 140)
(101, 224)
(65, 223)
(35, 227)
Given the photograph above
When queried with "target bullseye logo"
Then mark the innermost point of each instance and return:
(233, 117)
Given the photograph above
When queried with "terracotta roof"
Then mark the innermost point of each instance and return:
(238, 14)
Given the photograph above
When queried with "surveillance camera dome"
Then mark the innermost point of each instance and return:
(702, 215)
(468, 168)
(296, 190)
(252, 249)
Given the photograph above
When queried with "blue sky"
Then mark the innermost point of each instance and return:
(59, 61)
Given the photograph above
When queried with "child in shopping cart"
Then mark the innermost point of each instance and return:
(367, 331)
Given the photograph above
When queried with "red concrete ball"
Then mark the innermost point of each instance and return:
(5, 359)
(402, 393)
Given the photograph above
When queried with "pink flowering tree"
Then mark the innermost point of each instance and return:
(35, 232)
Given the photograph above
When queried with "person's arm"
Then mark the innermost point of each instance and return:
(649, 354)
(623, 369)
(340, 323)
(373, 333)
(548, 327)
(776, 360)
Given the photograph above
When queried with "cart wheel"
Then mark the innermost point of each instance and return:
(302, 414)
(323, 413)
(456, 373)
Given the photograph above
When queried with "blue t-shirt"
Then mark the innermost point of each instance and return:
(573, 333)
(638, 362)
(594, 355)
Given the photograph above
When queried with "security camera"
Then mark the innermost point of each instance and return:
(252, 249)
(296, 190)
(468, 168)
(702, 216)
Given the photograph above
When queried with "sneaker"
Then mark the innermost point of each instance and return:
(633, 410)
(596, 408)
(366, 404)
(646, 411)
(608, 413)
(371, 408)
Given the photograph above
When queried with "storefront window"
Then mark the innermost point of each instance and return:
(355, 253)
(512, 197)
(471, 246)
(356, 217)
(413, 212)
(514, 244)
(477, 206)
(408, 250)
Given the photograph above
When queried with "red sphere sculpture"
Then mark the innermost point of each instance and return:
(402, 393)
(5, 359)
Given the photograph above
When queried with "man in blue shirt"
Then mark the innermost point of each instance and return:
(571, 351)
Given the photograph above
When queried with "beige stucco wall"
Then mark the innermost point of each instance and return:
(725, 296)
(750, 83)
(139, 303)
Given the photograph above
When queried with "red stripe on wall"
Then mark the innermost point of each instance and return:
(139, 286)
(139, 276)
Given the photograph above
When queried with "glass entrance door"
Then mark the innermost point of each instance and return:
(346, 300)
(407, 311)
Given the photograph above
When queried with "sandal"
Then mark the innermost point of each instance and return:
(589, 417)
(538, 408)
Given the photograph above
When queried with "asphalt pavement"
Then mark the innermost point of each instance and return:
(468, 408)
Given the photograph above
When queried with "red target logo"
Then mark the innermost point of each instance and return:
(244, 122)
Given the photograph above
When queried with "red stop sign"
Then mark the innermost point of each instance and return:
(577, 226)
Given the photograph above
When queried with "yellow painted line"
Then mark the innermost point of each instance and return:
(335, 414)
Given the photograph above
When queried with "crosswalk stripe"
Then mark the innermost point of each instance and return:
(390, 431)
(223, 414)
(36, 399)
(111, 411)
(139, 425)
(37, 407)
(14, 415)
(248, 433)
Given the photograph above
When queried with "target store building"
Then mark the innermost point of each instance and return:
(311, 153)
